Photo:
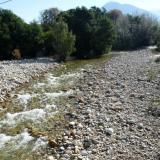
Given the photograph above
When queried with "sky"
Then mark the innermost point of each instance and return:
(30, 9)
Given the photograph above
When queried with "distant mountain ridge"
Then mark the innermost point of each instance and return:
(130, 9)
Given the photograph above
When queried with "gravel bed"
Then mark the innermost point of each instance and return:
(116, 112)
(15, 73)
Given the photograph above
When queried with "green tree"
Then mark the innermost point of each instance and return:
(93, 30)
(33, 40)
(48, 17)
(58, 41)
(16, 34)
(12, 30)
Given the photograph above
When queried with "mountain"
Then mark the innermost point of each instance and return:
(125, 8)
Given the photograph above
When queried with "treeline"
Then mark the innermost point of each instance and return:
(80, 32)
(134, 31)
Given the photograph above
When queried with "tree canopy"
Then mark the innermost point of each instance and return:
(79, 32)
(135, 31)
(94, 31)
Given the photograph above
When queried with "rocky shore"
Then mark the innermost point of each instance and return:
(116, 113)
(15, 73)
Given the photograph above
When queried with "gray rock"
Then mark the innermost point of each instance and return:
(84, 153)
(140, 126)
(87, 143)
(131, 121)
(109, 131)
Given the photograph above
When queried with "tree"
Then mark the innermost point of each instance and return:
(49, 16)
(16, 35)
(33, 40)
(12, 29)
(135, 31)
(58, 41)
(93, 30)
(114, 15)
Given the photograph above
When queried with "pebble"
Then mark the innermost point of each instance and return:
(112, 102)
(62, 148)
(87, 143)
(109, 131)
(84, 153)
(131, 121)
(72, 123)
(51, 158)
(140, 126)
(80, 126)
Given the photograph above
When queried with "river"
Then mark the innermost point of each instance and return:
(34, 113)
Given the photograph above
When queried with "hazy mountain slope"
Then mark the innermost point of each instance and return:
(125, 8)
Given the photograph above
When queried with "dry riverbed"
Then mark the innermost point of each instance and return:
(116, 112)
(100, 109)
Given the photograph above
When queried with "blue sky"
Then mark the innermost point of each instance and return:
(30, 9)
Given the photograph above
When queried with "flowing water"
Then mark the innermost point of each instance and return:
(34, 113)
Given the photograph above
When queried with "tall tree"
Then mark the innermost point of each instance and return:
(93, 30)
(12, 30)
(135, 31)
(114, 15)
(48, 16)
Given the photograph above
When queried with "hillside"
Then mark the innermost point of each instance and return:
(125, 8)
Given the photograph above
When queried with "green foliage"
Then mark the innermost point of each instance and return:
(16, 34)
(11, 33)
(58, 41)
(49, 16)
(33, 41)
(81, 32)
(94, 31)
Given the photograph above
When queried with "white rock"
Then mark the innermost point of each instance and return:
(72, 123)
(51, 158)
(109, 131)
(80, 125)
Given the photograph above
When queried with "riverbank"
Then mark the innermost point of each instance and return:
(100, 109)
(15, 73)
(116, 111)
